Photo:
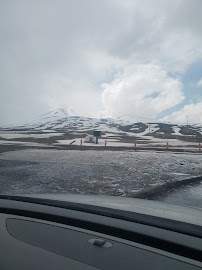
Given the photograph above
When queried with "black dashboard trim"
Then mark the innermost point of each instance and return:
(149, 220)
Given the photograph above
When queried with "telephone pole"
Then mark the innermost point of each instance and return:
(164, 130)
(187, 125)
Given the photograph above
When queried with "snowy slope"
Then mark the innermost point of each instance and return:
(56, 114)
(66, 120)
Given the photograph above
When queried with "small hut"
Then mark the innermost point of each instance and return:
(90, 139)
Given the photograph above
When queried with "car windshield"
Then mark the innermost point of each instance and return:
(102, 98)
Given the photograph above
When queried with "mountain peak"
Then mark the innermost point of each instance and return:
(55, 114)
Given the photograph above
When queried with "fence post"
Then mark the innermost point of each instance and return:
(81, 143)
(199, 147)
(105, 143)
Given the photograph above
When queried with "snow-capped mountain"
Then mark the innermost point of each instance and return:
(56, 114)
(66, 120)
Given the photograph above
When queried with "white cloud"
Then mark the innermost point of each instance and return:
(141, 91)
(65, 92)
(164, 32)
(199, 83)
(193, 111)
(88, 42)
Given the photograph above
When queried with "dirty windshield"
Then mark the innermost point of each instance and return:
(102, 98)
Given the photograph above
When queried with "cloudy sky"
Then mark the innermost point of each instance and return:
(138, 58)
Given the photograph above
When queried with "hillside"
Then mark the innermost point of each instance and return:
(60, 127)
(61, 120)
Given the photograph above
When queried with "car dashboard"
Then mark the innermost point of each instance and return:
(44, 234)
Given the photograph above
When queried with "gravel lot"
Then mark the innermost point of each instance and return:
(118, 173)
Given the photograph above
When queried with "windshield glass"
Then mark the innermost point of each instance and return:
(102, 98)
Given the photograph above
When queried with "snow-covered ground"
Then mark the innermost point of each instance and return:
(177, 131)
(121, 173)
(28, 144)
(109, 142)
(22, 135)
(68, 127)
(116, 142)
(113, 139)
(63, 120)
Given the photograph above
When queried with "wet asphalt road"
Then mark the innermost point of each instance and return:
(189, 195)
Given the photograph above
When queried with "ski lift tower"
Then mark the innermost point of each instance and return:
(97, 134)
